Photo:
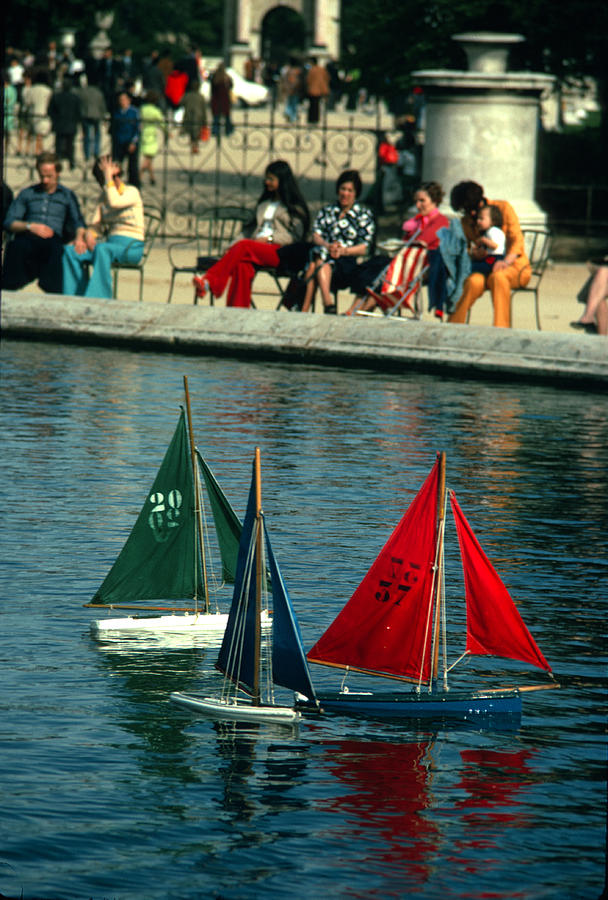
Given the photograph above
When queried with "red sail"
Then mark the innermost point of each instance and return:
(385, 627)
(494, 626)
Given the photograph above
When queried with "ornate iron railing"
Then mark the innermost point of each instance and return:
(227, 169)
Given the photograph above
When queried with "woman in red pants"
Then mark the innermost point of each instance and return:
(281, 217)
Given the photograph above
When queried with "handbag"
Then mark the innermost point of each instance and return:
(293, 295)
(205, 133)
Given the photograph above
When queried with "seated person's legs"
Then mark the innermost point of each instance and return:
(499, 284)
(17, 267)
(75, 275)
(436, 282)
(473, 288)
(324, 280)
(311, 285)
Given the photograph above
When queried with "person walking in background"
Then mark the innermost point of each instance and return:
(221, 100)
(10, 109)
(39, 99)
(125, 136)
(317, 89)
(93, 111)
(120, 217)
(40, 218)
(26, 124)
(195, 115)
(335, 84)
(152, 124)
(64, 110)
(153, 79)
(108, 78)
(291, 84)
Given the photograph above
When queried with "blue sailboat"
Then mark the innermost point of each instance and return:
(253, 661)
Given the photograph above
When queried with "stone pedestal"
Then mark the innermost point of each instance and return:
(482, 124)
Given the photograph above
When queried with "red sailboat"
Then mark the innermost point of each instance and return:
(394, 625)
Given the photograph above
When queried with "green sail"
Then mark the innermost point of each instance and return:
(228, 527)
(160, 560)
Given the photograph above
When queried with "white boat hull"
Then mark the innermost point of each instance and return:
(236, 712)
(187, 625)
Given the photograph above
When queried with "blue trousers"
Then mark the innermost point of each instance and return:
(91, 137)
(437, 281)
(76, 281)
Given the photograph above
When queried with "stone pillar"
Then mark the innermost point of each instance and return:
(239, 50)
(482, 124)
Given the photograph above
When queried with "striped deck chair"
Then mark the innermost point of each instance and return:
(401, 280)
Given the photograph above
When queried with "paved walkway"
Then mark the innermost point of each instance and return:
(558, 306)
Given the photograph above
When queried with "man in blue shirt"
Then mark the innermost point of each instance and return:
(125, 137)
(41, 218)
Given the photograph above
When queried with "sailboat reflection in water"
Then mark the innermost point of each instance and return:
(395, 623)
(253, 662)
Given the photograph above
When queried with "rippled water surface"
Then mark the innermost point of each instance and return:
(110, 791)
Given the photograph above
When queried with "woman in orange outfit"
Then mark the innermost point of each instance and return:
(513, 271)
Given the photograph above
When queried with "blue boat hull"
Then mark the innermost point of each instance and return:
(463, 705)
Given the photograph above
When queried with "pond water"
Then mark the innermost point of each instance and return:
(110, 791)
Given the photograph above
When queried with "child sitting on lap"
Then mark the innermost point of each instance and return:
(489, 246)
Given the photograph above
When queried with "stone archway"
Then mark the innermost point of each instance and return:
(243, 27)
(283, 34)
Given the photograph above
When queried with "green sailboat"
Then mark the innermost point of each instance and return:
(162, 569)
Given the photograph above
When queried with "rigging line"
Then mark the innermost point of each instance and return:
(265, 640)
(197, 490)
(234, 656)
(460, 658)
(429, 616)
(436, 591)
(438, 594)
(444, 624)
(206, 537)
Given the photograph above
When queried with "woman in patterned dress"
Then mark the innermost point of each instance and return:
(342, 232)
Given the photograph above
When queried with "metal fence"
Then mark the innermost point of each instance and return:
(229, 170)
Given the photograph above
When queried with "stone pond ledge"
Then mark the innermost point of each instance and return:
(392, 345)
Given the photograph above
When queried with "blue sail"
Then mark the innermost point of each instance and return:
(237, 653)
(289, 665)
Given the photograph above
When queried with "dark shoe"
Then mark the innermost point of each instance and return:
(589, 327)
(330, 310)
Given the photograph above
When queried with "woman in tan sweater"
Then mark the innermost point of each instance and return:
(116, 233)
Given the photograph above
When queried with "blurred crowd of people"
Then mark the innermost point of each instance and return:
(56, 95)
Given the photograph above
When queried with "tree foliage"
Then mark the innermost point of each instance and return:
(386, 42)
(140, 25)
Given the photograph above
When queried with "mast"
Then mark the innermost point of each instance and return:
(439, 574)
(197, 498)
(258, 579)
